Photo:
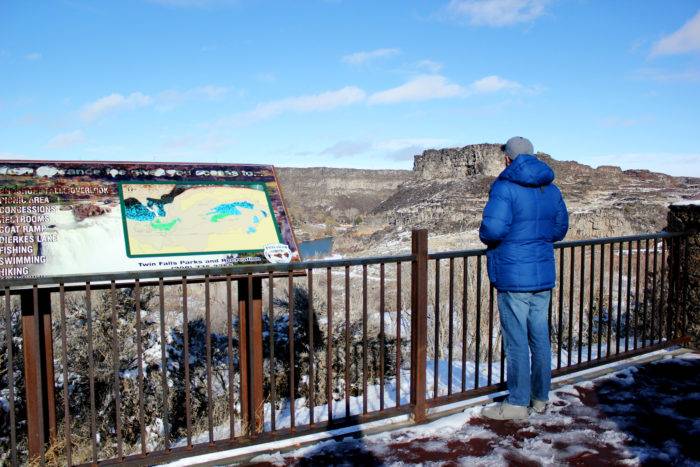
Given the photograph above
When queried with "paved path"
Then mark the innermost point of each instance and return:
(645, 415)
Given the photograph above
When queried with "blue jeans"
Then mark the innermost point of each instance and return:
(526, 331)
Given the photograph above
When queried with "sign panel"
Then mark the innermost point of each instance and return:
(92, 217)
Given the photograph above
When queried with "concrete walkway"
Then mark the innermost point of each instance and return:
(641, 415)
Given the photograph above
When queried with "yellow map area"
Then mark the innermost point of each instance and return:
(201, 219)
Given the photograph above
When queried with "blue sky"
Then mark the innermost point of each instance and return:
(346, 83)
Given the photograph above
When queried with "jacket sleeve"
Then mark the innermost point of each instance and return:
(561, 221)
(498, 215)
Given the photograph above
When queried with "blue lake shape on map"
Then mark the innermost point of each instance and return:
(229, 209)
(140, 213)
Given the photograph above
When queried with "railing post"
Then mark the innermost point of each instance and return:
(251, 354)
(37, 341)
(685, 263)
(419, 323)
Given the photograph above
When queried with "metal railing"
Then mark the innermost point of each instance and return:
(151, 366)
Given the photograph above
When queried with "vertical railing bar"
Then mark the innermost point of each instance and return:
(629, 295)
(164, 364)
(347, 341)
(139, 356)
(653, 291)
(207, 343)
(64, 363)
(186, 351)
(436, 314)
(365, 353)
(290, 336)
(560, 320)
(310, 322)
(610, 297)
(572, 258)
(381, 336)
(477, 327)
(503, 359)
(636, 295)
(672, 295)
(273, 363)
(646, 277)
(465, 321)
(663, 303)
(678, 290)
(91, 367)
(398, 333)
(619, 297)
(40, 428)
(581, 300)
(490, 349)
(601, 300)
(450, 326)
(329, 344)
(591, 300)
(685, 288)
(115, 365)
(229, 352)
(11, 379)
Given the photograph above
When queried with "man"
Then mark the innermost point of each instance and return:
(524, 216)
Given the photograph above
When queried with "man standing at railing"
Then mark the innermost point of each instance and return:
(524, 216)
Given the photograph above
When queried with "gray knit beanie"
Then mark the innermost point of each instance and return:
(518, 145)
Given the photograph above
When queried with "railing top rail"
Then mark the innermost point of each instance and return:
(566, 244)
(236, 270)
(130, 276)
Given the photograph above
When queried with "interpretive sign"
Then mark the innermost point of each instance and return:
(90, 217)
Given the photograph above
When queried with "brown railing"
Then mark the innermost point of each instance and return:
(145, 367)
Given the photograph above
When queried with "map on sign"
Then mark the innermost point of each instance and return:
(169, 219)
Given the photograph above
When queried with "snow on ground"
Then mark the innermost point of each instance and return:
(646, 414)
(302, 411)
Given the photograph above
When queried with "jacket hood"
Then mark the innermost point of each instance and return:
(527, 170)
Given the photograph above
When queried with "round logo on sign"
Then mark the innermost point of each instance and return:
(278, 253)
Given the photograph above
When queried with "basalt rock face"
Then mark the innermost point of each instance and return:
(321, 198)
(475, 159)
(448, 189)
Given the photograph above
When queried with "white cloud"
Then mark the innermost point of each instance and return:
(421, 88)
(495, 13)
(359, 58)
(112, 103)
(347, 148)
(429, 87)
(394, 149)
(171, 98)
(66, 140)
(678, 164)
(666, 76)
(309, 103)
(405, 149)
(430, 66)
(493, 83)
(34, 56)
(163, 101)
(685, 40)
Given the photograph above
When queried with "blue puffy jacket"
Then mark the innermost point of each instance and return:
(524, 216)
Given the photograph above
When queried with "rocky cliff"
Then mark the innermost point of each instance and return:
(322, 200)
(475, 159)
(373, 211)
